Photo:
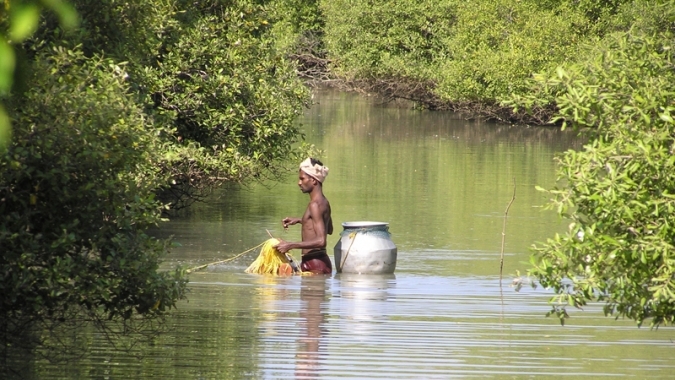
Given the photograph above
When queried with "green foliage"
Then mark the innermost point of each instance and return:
(479, 51)
(471, 51)
(387, 39)
(496, 46)
(76, 193)
(147, 103)
(221, 95)
(296, 20)
(223, 86)
(620, 191)
(133, 31)
(598, 13)
(18, 20)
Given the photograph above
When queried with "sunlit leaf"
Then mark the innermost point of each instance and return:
(24, 21)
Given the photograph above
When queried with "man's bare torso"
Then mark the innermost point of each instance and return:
(308, 229)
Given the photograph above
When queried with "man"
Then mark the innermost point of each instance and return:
(316, 222)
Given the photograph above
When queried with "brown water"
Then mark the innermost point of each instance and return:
(443, 185)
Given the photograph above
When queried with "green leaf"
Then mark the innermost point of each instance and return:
(23, 21)
(666, 117)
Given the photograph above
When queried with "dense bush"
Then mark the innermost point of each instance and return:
(220, 92)
(475, 53)
(496, 46)
(147, 106)
(466, 51)
(224, 88)
(76, 193)
(387, 39)
(18, 21)
(619, 190)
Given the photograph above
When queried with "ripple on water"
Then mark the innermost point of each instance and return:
(402, 326)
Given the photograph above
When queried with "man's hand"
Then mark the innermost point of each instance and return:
(288, 221)
(283, 246)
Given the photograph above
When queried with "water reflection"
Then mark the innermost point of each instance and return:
(312, 326)
(361, 299)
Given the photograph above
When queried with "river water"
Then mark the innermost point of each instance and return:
(442, 184)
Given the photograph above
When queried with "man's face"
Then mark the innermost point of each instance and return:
(305, 182)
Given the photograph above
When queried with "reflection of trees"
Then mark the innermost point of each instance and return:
(312, 294)
(214, 335)
(356, 116)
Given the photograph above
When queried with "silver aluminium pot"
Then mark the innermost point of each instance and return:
(365, 248)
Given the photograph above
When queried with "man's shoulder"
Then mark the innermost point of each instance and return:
(323, 201)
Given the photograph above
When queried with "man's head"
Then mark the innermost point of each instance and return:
(315, 169)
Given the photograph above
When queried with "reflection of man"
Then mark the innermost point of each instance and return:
(316, 222)
(312, 318)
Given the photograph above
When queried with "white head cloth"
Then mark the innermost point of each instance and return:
(317, 171)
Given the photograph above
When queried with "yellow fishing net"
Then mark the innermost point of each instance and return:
(271, 261)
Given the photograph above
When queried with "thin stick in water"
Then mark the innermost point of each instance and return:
(506, 213)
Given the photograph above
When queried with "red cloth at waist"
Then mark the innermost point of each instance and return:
(316, 261)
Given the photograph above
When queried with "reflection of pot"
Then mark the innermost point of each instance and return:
(365, 286)
(365, 247)
(363, 301)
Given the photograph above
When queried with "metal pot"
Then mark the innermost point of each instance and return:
(365, 248)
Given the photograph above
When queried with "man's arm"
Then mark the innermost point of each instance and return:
(288, 221)
(319, 230)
